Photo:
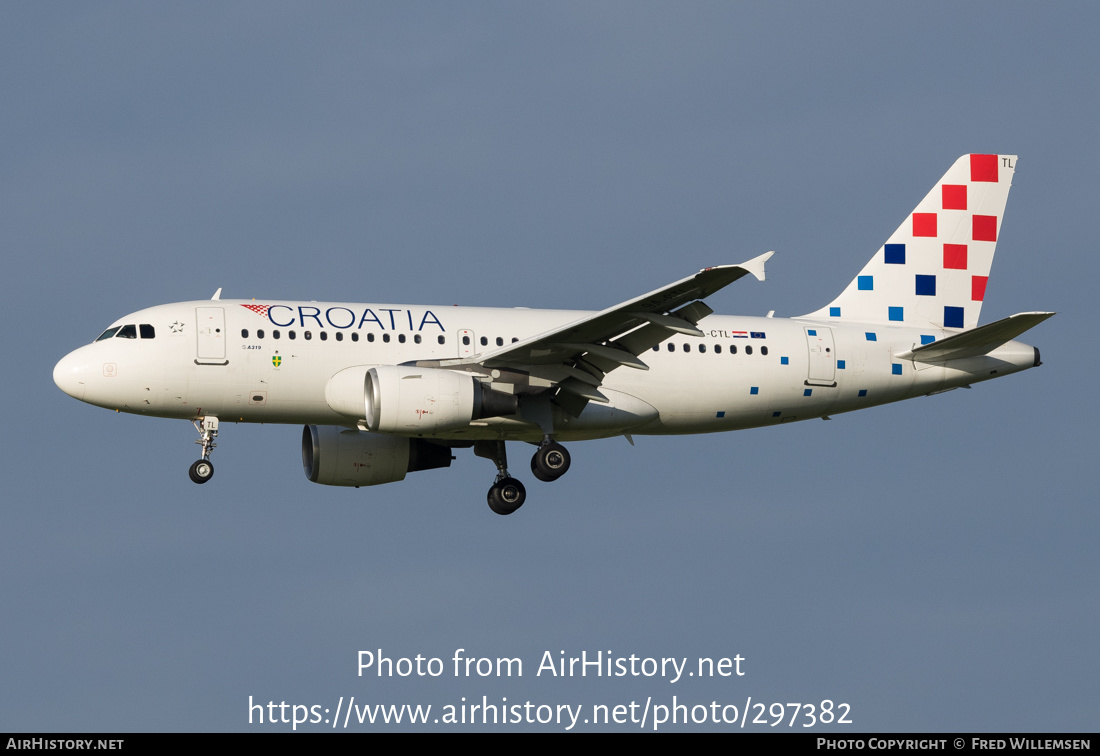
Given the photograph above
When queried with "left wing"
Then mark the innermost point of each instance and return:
(576, 357)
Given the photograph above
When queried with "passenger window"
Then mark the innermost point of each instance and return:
(500, 341)
(291, 335)
(764, 350)
(355, 337)
(484, 341)
(687, 347)
(146, 331)
(416, 338)
(717, 348)
(127, 332)
(442, 340)
(465, 341)
(370, 337)
(259, 333)
(514, 339)
(339, 336)
(108, 333)
(308, 335)
(401, 337)
(671, 347)
(748, 350)
(244, 333)
(386, 338)
(324, 335)
(275, 334)
(702, 348)
(733, 349)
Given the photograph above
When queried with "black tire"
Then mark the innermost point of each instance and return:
(506, 496)
(550, 462)
(201, 471)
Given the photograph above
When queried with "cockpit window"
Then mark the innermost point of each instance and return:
(127, 332)
(147, 331)
(108, 333)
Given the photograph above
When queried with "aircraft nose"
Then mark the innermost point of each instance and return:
(71, 374)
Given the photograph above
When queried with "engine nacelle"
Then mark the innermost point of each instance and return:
(418, 400)
(335, 456)
(412, 401)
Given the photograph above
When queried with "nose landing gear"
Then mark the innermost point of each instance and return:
(203, 469)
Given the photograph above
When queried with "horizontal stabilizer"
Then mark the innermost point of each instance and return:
(977, 341)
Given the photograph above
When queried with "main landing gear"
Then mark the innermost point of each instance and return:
(507, 494)
(203, 469)
(550, 462)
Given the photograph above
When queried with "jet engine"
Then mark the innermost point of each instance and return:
(335, 456)
(413, 401)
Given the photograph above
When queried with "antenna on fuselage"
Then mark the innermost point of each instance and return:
(217, 294)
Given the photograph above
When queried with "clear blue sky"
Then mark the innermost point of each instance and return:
(932, 563)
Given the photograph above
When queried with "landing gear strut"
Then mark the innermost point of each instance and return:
(203, 469)
(507, 494)
(551, 461)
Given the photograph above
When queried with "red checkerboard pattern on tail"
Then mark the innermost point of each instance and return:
(933, 271)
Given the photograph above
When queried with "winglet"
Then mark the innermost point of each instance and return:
(756, 265)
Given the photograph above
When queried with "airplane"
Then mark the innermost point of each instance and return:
(384, 390)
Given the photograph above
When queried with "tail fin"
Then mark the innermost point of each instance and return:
(933, 270)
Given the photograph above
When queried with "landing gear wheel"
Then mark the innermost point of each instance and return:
(506, 496)
(550, 462)
(201, 471)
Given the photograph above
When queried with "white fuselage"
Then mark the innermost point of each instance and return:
(240, 361)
